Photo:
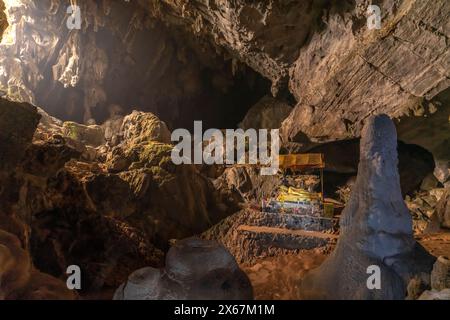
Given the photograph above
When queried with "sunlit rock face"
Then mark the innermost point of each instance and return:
(397, 70)
(120, 59)
(218, 277)
(3, 18)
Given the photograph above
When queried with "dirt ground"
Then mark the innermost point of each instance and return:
(277, 278)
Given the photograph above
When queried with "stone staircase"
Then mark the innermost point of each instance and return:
(285, 238)
(268, 234)
(298, 222)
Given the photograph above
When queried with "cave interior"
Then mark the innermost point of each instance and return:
(93, 184)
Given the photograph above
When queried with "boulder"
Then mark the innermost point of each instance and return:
(415, 288)
(376, 229)
(440, 276)
(48, 126)
(268, 113)
(141, 127)
(441, 214)
(46, 158)
(15, 266)
(150, 191)
(429, 183)
(195, 270)
(156, 191)
(45, 287)
(247, 182)
(422, 206)
(442, 171)
(92, 135)
(435, 295)
(112, 129)
(106, 249)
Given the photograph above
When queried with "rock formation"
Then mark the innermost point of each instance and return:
(436, 295)
(442, 212)
(440, 276)
(20, 280)
(18, 123)
(440, 281)
(210, 58)
(376, 229)
(110, 208)
(337, 92)
(338, 70)
(423, 207)
(97, 187)
(3, 19)
(195, 270)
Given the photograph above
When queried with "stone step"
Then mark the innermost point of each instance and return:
(263, 237)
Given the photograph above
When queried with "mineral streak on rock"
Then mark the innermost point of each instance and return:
(376, 229)
(195, 269)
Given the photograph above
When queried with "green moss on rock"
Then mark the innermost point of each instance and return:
(90, 135)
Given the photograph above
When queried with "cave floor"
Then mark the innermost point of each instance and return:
(278, 278)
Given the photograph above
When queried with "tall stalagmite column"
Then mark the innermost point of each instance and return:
(376, 229)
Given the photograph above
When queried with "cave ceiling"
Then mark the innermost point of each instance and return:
(218, 58)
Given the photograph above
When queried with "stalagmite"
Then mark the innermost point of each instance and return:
(376, 230)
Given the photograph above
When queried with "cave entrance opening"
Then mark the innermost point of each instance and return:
(121, 60)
